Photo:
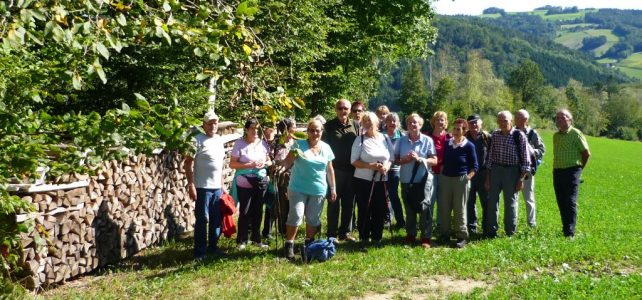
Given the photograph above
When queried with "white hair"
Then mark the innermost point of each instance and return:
(524, 113)
(506, 114)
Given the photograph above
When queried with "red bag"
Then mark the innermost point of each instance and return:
(228, 207)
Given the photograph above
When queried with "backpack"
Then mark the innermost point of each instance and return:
(535, 162)
(320, 250)
(533, 165)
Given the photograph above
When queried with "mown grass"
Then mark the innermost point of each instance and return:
(604, 261)
(573, 40)
(633, 72)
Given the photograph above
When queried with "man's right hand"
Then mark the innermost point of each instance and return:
(191, 190)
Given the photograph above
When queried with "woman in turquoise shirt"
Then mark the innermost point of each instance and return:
(312, 172)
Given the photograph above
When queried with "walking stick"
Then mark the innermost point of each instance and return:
(366, 228)
(385, 191)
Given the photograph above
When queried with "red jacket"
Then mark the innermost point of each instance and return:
(228, 208)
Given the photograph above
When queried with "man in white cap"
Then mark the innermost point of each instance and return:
(204, 170)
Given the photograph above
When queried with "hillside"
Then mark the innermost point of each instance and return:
(610, 36)
(509, 40)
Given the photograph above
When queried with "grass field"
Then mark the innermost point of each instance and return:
(573, 40)
(604, 261)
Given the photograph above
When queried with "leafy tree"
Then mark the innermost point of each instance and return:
(414, 94)
(526, 82)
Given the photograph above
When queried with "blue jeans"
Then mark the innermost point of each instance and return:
(395, 202)
(208, 209)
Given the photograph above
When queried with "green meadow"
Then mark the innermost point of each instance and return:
(573, 40)
(604, 261)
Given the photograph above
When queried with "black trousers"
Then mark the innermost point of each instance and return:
(566, 183)
(251, 209)
(371, 211)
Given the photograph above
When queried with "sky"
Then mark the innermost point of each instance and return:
(475, 7)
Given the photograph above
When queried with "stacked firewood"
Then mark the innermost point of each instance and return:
(127, 206)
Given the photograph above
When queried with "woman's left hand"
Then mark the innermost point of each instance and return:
(333, 196)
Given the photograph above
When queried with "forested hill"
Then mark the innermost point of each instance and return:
(509, 40)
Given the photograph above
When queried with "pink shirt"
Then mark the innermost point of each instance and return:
(246, 153)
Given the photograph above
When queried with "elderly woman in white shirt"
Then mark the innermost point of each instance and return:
(372, 156)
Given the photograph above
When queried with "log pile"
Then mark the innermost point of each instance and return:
(127, 206)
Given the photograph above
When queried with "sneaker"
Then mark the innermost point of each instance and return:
(443, 241)
(410, 239)
(425, 242)
(348, 238)
(242, 246)
(217, 252)
(288, 250)
(260, 245)
(461, 243)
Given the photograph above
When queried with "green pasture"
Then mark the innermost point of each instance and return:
(633, 61)
(633, 72)
(573, 40)
(603, 262)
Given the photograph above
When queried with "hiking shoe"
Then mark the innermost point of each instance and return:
(410, 239)
(461, 243)
(288, 250)
(425, 242)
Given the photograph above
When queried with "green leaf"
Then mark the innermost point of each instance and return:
(35, 96)
(102, 50)
(76, 81)
(247, 49)
(141, 102)
(201, 76)
(166, 6)
(100, 72)
(141, 97)
(121, 20)
(198, 52)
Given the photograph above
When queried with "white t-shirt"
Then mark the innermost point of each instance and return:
(208, 161)
(373, 149)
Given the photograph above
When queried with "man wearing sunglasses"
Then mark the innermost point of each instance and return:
(340, 133)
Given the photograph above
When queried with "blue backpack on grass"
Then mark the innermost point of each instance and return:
(320, 250)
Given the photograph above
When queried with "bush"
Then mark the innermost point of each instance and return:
(627, 133)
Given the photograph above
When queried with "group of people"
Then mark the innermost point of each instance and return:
(363, 158)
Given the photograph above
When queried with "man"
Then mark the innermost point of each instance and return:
(570, 155)
(536, 151)
(509, 163)
(481, 139)
(205, 183)
(340, 133)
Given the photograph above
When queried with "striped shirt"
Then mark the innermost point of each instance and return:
(503, 151)
(568, 148)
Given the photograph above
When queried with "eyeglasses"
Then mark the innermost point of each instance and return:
(458, 128)
(343, 108)
(314, 130)
(357, 110)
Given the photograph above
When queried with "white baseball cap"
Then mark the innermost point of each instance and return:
(210, 115)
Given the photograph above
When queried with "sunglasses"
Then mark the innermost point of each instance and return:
(357, 110)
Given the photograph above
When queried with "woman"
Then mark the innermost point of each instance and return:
(279, 144)
(371, 156)
(393, 132)
(250, 159)
(311, 174)
(382, 113)
(415, 153)
(439, 135)
(459, 166)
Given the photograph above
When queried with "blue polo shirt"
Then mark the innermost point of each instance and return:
(424, 146)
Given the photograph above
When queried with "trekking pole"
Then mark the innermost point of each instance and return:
(366, 228)
(385, 191)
